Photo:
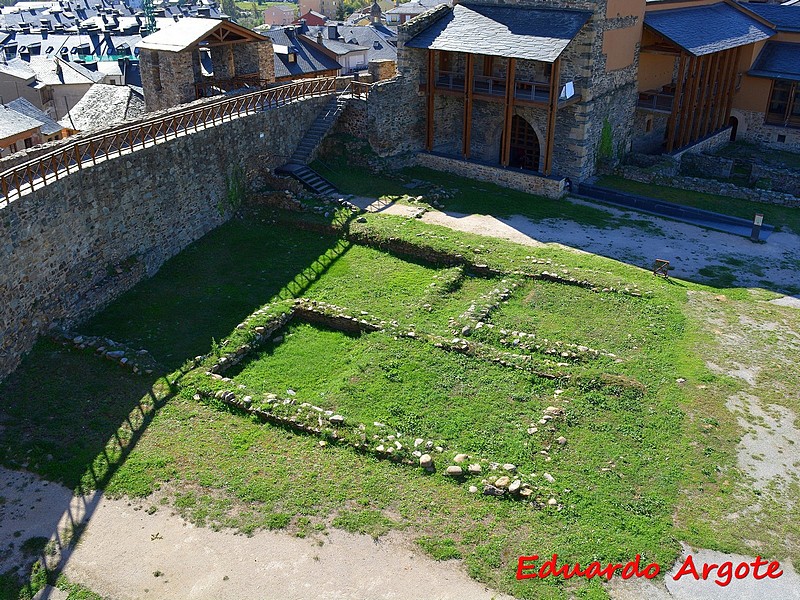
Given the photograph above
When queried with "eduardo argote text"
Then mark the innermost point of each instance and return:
(529, 567)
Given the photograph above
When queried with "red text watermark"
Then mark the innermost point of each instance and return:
(529, 567)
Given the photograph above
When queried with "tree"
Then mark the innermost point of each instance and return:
(229, 8)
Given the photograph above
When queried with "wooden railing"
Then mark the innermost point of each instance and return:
(656, 101)
(75, 155)
(360, 89)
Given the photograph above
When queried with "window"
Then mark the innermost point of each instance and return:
(648, 124)
(28, 142)
(445, 61)
(488, 65)
(113, 82)
(784, 104)
(292, 57)
(13, 148)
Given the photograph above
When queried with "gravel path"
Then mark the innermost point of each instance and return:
(123, 547)
(690, 249)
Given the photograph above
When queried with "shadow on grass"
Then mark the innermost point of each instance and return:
(204, 292)
(73, 417)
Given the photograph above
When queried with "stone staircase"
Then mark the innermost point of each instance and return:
(297, 166)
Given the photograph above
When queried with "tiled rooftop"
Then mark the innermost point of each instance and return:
(778, 60)
(519, 32)
(707, 29)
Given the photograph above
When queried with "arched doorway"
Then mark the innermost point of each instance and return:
(524, 145)
(734, 123)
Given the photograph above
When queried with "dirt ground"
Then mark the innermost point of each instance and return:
(126, 553)
(690, 249)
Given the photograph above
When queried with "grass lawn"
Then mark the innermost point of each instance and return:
(640, 448)
(782, 217)
(469, 195)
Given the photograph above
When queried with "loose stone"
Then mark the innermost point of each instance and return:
(502, 482)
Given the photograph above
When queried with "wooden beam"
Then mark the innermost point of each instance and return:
(505, 152)
(430, 101)
(691, 90)
(722, 81)
(555, 89)
(468, 91)
(711, 92)
(672, 123)
(729, 76)
(732, 84)
(697, 113)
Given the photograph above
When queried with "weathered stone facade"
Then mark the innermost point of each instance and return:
(169, 78)
(751, 128)
(382, 69)
(72, 246)
(608, 98)
(710, 143)
(549, 187)
(650, 131)
(707, 186)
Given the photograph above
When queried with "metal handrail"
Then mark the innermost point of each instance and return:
(72, 156)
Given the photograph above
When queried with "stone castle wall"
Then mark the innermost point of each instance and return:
(74, 245)
(608, 98)
(752, 128)
(549, 187)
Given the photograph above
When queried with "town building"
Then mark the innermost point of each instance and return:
(280, 14)
(298, 56)
(22, 125)
(320, 7)
(554, 89)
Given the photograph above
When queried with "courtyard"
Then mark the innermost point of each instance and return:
(634, 413)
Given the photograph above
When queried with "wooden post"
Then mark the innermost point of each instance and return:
(688, 109)
(697, 113)
(711, 92)
(555, 89)
(468, 77)
(505, 153)
(672, 124)
(722, 82)
(732, 84)
(430, 102)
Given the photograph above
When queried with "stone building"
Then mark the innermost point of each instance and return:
(535, 85)
(546, 90)
(201, 57)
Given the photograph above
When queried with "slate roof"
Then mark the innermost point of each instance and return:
(380, 41)
(784, 17)
(46, 71)
(187, 32)
(104, 105)
(13, 123)
(417, 7)
(707, 29)
(309, 59)
(528, 33)
(22, 106)
(778, 60)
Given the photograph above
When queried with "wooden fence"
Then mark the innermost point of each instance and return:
(73, 156)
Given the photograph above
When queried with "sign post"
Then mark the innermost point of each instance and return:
(758, 220)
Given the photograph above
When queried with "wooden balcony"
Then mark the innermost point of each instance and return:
(494, 89)
(656, 101)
